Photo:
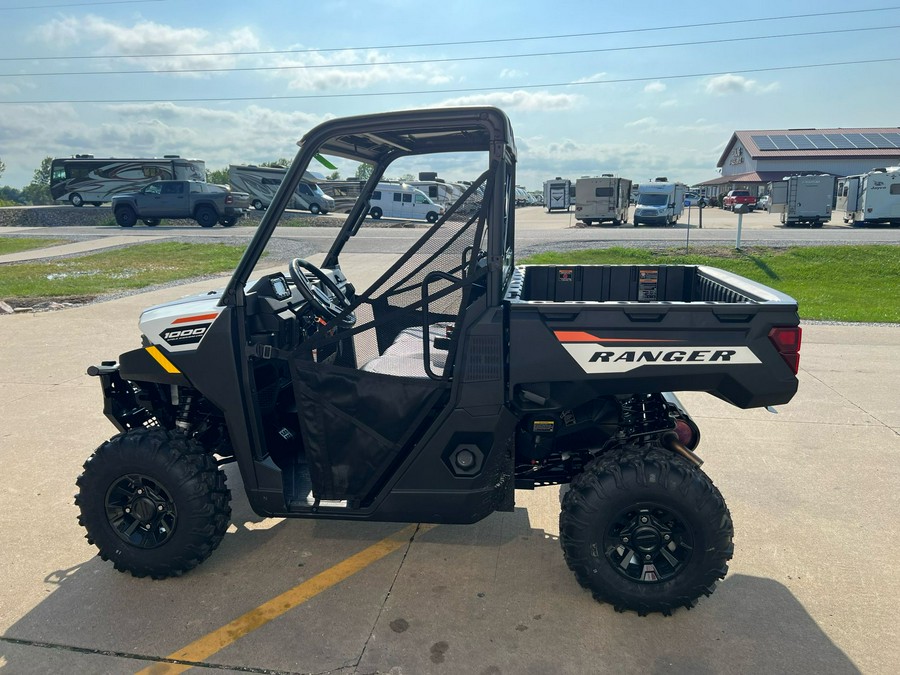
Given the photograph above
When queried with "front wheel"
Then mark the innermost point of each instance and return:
(644, 530)
(314, 209)
(153, 502)
(432, 217)
(257, 204)
(376, 213)
(77, 200)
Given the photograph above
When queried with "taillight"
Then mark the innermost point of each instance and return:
(229, 199)
(787, 342)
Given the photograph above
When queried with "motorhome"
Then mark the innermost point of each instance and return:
(601, 199)
(872, 198)
(400, 200)
(85, 179)
(659, 203)
(802, 200)
(262, 182)
(440, 192)
(557, 194)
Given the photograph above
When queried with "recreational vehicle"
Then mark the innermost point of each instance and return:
(802, 199)
(872, 198)
(557, 194)
(85, 179)
(659, 203)
(438, 191)
(602, 199)
(262, 182)
(399, 200)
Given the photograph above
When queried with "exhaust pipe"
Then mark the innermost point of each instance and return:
(671, 442)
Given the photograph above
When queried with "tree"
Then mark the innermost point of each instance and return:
(217, 176)
(38, 190)
(281, 163)
(334, 175)
(364, 170)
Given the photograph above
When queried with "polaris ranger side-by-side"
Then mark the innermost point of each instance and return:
(433, 394)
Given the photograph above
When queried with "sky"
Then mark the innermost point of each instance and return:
(644, 90)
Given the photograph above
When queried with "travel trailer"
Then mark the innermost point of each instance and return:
(557, 194)
(802, 200)
(659, 203)
(602, 199)
(399, 200)
(262, 182)
(872, 198)
(85, 179)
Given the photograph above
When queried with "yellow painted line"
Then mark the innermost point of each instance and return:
(167, 365)
(223, 637)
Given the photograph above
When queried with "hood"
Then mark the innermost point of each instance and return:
(181, 324)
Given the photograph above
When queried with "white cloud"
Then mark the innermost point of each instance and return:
(643, 122)
(509, 73)
(148, 37)
(517, 100)
(596, 77)
(654, 88)
(723, 85)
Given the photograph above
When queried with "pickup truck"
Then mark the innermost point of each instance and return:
(449, 378)
(206, 203)
(735, 197)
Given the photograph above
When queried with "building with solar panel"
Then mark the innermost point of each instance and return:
(752, 159)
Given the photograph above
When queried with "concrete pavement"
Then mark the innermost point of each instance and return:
(813, 586)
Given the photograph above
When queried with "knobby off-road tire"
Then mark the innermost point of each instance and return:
(645, 530)
(153, 502)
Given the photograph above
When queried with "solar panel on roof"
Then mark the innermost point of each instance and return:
(859, 141)
(782, 142)
(763, 142)
(840, 142)
(878, 140)
(892, 137)
(802, 142)
(820, 142)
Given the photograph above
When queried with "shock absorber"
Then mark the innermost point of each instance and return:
(183, 418)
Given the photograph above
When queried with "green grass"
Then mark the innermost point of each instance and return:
(17, 244)
(837, 283)
(130, 268)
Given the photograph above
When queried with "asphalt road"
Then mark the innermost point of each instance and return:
(813, 587)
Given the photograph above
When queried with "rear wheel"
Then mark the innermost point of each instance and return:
(76, 199)
(644, 530)
(206, 216)
(153, 502)
(125, 216)
(376, 213)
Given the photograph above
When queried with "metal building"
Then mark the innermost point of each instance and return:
(752, 159)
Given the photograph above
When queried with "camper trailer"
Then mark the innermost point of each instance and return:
(602, 199)
(262, 182)
(872, 198)
(557, 194)
(659, 202)
(802, 200)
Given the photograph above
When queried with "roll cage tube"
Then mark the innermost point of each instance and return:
(378, 140)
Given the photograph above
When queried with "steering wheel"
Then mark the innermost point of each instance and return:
(324, 305)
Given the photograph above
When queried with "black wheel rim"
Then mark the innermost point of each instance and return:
(649, 543)
(141, 511)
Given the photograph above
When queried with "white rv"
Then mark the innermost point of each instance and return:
(399, 200)
(872, 198)
(557, 194)
(802, 199)
(262, 182)
(439, 191)
(659, 202)
(85, 179)
(602, 199)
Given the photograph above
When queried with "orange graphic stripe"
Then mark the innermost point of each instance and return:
(201, 317)
(581, 336)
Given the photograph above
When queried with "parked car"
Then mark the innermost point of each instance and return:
(735, 197)
(693, 199)
(763, 203)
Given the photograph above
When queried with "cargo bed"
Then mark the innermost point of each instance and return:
(645, 328)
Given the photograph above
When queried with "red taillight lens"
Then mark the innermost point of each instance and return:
(787, 342)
